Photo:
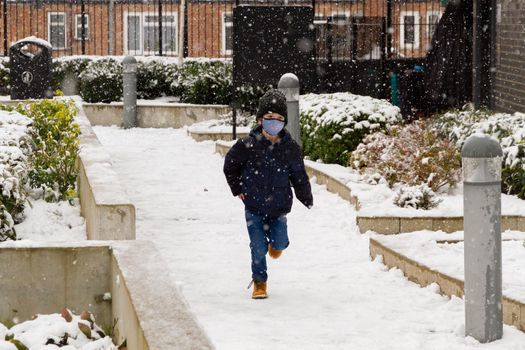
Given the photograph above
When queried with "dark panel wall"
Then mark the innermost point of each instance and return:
(509, 87)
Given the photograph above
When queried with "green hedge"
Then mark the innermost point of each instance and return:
(333, 125)
(100, 80)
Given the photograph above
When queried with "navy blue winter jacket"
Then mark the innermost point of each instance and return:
(263, 173)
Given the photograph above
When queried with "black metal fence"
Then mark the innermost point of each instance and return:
(346, 29)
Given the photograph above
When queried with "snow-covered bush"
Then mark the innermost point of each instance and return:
(204, 82)
(5, 78)
(248, 96)
(412, 154)
(508, 129)
(154, 79)
(101, 81)
(55, 138)
(68, 67)
(332, 125)
(56, 331)
(15, 149)
(417, 197)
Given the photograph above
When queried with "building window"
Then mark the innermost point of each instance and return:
(227, 34)
(432, 22)
(78, 26)
(409, 38)
(56, 29)
(341, 33)
(142, 35)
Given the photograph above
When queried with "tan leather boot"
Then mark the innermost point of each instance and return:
(259, 290)
(275, 254)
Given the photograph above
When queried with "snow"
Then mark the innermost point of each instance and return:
(34, 40)
(35, 334)
(378, 200)
(216, 126)
(429, 248)
(324, 292)
(52, 222)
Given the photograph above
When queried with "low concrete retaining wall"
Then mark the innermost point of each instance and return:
(104, 203)
(387, 224)
(513, 310)
(213, 136)
(146, 309)
(150, 115)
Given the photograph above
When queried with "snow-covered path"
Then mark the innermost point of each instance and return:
(324, 292)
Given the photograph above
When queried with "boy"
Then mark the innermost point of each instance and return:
(259, 169)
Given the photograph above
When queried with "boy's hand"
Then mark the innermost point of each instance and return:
(241, 196)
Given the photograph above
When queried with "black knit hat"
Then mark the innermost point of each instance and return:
(272, 101)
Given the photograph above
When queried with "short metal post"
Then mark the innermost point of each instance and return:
(130, 91)
(289, 85)
(481, 157)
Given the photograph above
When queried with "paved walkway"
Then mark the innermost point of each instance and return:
(325, 293)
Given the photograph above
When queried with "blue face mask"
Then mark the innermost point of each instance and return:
(272, 126)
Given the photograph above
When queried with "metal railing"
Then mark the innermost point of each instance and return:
(345, 29)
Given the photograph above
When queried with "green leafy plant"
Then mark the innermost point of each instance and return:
(55, 137)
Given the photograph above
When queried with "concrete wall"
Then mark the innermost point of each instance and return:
(146, 308)
(44, 280)
(161, 115)
(104, 202)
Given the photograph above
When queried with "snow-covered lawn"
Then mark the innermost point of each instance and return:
(325, 293)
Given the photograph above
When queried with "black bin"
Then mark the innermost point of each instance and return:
(30, 64)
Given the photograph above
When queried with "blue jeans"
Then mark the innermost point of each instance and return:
(263, 230)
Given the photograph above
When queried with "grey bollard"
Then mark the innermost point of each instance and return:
(481, 158)
(130, 91)
(289, 85)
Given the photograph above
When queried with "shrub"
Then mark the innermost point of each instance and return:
(508, 129)
(417, 197)
(5, 78)
(70, 68)
(15, 148)
(101, 81)
(204, 82)
(154, 79)
(332, 125)
(248, 96)
(411, 155)
(56, 143)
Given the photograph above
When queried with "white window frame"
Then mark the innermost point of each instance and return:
(346, 14)
(428, 14)
(78, 26)
(142, 15)
(416, 43)
(223, 36)
(49, 14)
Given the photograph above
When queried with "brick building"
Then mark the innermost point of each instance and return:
(509, 83)
(133, 27)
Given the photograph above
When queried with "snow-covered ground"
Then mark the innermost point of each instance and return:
(324, 292)
(444, 252)
(378, 200)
